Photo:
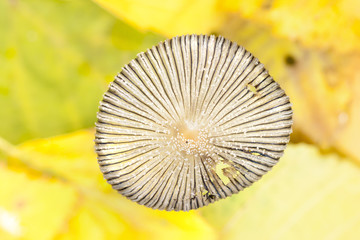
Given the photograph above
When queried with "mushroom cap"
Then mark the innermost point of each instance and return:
(190, 121)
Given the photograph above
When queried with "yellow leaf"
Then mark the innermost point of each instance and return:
(291, 202)
(315, 23)
(169, 18)
(32, 207)
(69, 156)
(320, 24)
(97, 211)
(95, 220)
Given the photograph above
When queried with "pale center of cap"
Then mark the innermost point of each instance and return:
(188, 138)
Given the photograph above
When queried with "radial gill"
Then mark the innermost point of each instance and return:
(190, 121)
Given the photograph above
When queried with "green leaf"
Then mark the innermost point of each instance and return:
(57, 58)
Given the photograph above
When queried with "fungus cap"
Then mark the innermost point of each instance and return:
(190, 121)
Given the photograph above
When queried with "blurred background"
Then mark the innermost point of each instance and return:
(57, 58)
